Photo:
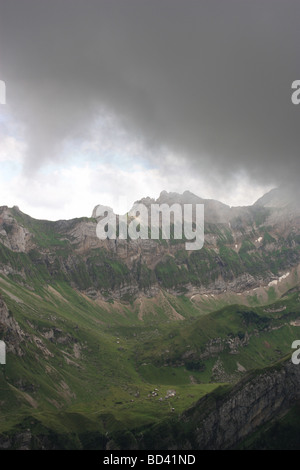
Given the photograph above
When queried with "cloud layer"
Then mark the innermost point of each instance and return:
(208, 80)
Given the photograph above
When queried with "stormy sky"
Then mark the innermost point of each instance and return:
(112, 100)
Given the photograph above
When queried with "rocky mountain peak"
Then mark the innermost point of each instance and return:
(100, 209)
(279, 198)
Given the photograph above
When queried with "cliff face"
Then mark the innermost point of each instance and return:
(222, 420)
(249, 405)
(10, 329)
(244, 248)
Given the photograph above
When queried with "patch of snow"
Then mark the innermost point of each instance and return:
(240, 368)
(275, 282)
(284, 276)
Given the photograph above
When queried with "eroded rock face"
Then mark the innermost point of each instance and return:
(248, 407)
(145, 265)
(223, 422)
(12, 234)
(11, 332)
(24, 440)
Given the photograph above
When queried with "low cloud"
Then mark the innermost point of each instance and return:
(207, 82)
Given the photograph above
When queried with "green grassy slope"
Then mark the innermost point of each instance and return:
(77, 367)
(235, 337)
(88, 369)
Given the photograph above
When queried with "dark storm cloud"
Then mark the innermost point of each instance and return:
(211, 80)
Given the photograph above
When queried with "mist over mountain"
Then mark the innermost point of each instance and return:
(134, 339)
(172, 324)
(242, 245)
(148, 325)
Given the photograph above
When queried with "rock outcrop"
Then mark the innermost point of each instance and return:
(239, 252)
(222, 419)
(10, 330)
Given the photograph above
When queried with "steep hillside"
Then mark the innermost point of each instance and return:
(107, 339)
(224, 418)
(79, 370)
(243, 248)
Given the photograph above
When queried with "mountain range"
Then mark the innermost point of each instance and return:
(117, 344)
